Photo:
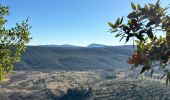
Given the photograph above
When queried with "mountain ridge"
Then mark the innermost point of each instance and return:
(92, 45)
(77, 58)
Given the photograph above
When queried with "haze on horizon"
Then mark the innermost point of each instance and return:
(75, 22)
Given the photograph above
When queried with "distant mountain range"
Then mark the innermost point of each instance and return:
(93, 45)
(64, 45)
(94, 56)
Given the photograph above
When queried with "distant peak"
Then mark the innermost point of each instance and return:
(94, 45)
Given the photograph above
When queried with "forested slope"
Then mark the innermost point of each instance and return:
(44, 57)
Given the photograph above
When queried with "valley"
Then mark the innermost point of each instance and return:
(48, 72)
(106, 85)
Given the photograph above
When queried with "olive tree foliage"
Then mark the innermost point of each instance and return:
(143, 25)
(12, 43)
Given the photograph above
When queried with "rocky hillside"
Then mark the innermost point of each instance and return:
(49, 85)
(38, 85)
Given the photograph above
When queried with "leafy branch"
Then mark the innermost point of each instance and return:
(143, 23)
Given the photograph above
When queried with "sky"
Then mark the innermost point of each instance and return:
(76, 22)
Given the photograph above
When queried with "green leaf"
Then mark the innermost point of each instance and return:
(117, 22)
(133, 6)
(137, 42)
(139, 6)
(112, 25)
(129, 22)
(149, 46)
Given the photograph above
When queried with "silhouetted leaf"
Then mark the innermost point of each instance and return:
(117, 35)
(168, 78)
(123, 36)
(134, 66)
(151, 72)
(150, 34)
(127, 39)
(150, 23)
(167, 81)
(144, 69)
(121, 20)
(126, 29)
(141, 32)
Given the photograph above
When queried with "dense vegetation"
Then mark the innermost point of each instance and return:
(74, 58)
(12, 43)
(78, 93)
(132, 89)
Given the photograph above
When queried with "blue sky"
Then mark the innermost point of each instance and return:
(76, 22)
